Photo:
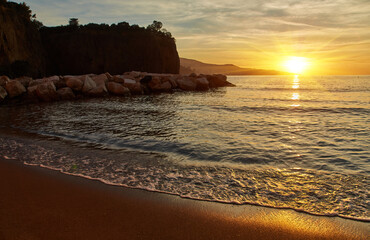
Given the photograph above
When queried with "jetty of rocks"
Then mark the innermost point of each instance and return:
(56, 88)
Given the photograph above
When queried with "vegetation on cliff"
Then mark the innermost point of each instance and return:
(116, 48)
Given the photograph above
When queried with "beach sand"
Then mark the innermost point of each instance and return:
(38, 203)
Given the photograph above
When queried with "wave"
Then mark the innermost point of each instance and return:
(311, 191)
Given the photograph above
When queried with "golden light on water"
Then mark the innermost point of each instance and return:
(295, 95)
(295, 64)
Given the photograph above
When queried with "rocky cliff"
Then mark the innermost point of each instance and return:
(73, 49)
(103, 48)
(21, 52)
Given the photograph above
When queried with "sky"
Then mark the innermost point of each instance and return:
(333, 35)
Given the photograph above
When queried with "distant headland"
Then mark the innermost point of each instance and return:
(188, 66)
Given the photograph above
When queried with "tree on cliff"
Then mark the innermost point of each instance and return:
(73, 22)
(155, 26)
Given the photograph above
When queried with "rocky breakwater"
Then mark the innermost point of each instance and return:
(55, 88)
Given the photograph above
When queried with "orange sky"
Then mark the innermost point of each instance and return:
(333, 34)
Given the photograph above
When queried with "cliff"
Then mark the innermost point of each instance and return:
(26, 50)
(101, 48)
(21, 52)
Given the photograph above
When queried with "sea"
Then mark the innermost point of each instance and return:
(292, 142)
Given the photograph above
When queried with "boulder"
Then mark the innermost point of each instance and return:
(99, 91)
(129, 81)
(3, 80)
(88, 85)
(158, 84)
(3, 93)
(35, 82)
(65, 93)
(117, 89)
(133, 86)
(218, 80)
(154, 83)
(25, 81)
(202, 84)
(14, 88)
(186, 84)
(101, 79)
(145, 80)
(134, 75)
(53, 79)
(61, 83)
(31, 93)
(108, 76)
(193, 75)
(173, 82)
(47, 92)
(75, 83)
(118, 79)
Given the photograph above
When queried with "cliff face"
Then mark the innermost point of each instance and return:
(21, 52)
(80, 50)
(27, 51)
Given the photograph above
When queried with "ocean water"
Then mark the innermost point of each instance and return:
(279, 141)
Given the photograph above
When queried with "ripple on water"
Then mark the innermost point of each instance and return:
(312, 191)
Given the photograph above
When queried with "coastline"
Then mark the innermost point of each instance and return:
(39, 203)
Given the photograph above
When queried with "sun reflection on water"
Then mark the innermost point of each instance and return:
(295, 95)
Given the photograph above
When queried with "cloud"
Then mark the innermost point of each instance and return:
(218, 25)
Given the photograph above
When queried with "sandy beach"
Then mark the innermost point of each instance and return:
(38, 203)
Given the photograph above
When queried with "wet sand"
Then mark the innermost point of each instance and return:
(38, 203)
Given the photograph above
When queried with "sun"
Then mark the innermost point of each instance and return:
(296, 65)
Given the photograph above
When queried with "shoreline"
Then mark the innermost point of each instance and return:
(44, 204)
(195, 199)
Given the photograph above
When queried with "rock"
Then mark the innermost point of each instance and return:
(133, 86)
(3, 93)
(134, 75)
(202, 84)
(154, 83)
(35, 82)
(88, 85)
(47, 92)
(187, 84)
(193, 75)
(101, 79)
(66, 93)
(173, 82)
(75, 83)
(3, 81)
(31, 92)
(145, 80)
(158, 84)
(99, 91)
(118, 79)
(14, 88)
(129, 81)
(166, 87)
(25, 81)
(218, 80)
(117, 89)
(53, 79)
(61, 83)
(108, 76)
